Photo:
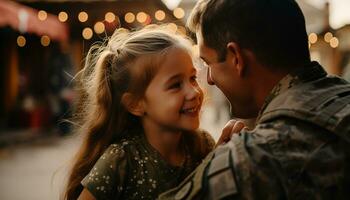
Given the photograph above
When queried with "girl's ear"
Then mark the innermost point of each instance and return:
(236, 56)
(135, 107)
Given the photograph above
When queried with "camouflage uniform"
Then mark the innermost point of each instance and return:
(133, 169)
(299, 149)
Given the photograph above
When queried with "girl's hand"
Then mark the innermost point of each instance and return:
(232, 127)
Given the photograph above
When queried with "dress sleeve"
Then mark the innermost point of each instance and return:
(209, 141)
(106, 178)
(206, 143)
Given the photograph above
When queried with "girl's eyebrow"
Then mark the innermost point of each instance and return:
(177, 76)
(174, 77)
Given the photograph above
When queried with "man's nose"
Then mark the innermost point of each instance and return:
(209, 79)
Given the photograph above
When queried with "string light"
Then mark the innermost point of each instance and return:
(62, 16)
(87, 33)
(334, 42)
(328, 36)
(83, 16)
(172, 27)
(141, 17)
(179, 13)
(109, 17)
(21, 41)
(99, 27)
(45, 40)
(129, 17)
(313, 38)
(159, 15)
(42, 15)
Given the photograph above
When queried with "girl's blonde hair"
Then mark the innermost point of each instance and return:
(127, 62)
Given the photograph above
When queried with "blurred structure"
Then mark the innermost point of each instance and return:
(40, 57)
(43, 44)
(331, 47)
(27, 20)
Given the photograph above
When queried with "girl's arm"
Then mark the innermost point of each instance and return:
(86, 195)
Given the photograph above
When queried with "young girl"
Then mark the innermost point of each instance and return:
(140, 116)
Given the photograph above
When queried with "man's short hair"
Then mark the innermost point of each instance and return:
(273, 29)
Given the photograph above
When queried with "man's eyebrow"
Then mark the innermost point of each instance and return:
(194, 70)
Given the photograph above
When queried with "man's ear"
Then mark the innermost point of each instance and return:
(236, 57)
(135, 107)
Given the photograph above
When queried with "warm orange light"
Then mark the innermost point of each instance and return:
(159, 15)
(83, 16)
(313, 38)
(62, 16)
(328, 36)
(334, 42)
(99, 27)
(45, 40)
(21, 41)
(129, 17)
(109, 17)
(42, 15)
(141, 17)
(87, 33)
(179, 13)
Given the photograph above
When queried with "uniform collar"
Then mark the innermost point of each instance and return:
(309, 72)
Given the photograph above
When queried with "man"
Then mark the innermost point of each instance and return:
(257, 54)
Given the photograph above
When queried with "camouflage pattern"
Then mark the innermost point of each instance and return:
(299, 149)
(133, 169)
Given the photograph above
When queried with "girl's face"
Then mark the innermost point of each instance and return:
(173, 98)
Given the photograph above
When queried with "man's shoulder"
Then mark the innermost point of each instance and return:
(252, 157)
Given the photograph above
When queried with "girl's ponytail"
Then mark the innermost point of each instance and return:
(98, 121)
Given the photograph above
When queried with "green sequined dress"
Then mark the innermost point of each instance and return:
(133, 169)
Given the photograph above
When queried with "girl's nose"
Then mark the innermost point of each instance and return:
(194, 92)
(209, 79)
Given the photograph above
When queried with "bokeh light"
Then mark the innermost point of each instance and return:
(42, 15)
(21, 41)
(159, 15)
(141, 17)
(99, 27)
(109, 17)
(334, 42)
(129, 17)
(62, 16)
(313, 38)
(83, 16)
(45, 40)
(179, 13)
(87, 33)
(328, 36)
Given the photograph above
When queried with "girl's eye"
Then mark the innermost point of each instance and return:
(175, 85)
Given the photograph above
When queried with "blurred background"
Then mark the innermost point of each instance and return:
(42, 46)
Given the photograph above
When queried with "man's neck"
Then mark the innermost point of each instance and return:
(271, 79)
